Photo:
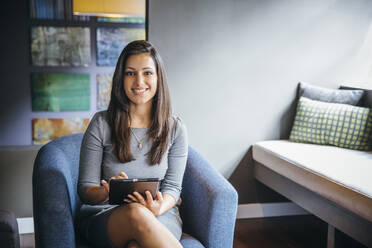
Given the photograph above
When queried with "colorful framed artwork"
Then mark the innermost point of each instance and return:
(54, 10)
(60, 92)
(60, 46)
(111, 41)
(104, 84)
(136, 20)
(45, 130)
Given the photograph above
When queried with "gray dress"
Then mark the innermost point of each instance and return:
(99, 161)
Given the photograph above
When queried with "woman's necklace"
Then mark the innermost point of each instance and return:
(139, 141)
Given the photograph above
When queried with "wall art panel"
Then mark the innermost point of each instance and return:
(104, 84)
(54, 10)
(60, 92)
(60, 46)
(45, 130)
(139, 20)
(111, 41)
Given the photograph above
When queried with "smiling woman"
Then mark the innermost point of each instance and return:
(137, 137)
(128, 109)
(140, 81)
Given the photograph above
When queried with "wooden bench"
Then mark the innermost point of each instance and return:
(334, 184)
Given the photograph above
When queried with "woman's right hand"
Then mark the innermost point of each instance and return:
(106, 185)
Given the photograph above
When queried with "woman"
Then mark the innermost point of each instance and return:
(135, 138)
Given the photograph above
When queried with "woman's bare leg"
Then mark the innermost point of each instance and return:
(133, 244)
(136, 222)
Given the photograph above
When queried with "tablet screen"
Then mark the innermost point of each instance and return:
(120, 188)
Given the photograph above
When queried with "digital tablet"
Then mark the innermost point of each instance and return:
(120, 188)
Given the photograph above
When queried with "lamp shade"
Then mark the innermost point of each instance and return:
(110, 8)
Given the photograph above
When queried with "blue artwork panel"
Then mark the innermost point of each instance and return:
(54, 10)
(111, 41)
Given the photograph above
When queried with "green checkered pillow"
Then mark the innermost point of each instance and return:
(335, 124)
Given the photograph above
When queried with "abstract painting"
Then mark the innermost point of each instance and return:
(111, 41)
(60, 92)
(54, 10)
(45, 130)
(139, 20)
(60, 46)
(104, 84)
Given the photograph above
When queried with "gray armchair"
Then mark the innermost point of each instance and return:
(208, 208)
(9, 236)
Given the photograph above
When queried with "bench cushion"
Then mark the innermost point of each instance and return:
(335, 124)
(340, 175)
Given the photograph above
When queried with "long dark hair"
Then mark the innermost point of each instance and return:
(118, 110)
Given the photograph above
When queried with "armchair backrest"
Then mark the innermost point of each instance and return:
(54, 187)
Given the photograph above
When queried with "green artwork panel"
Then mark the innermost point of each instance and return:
(60, 92)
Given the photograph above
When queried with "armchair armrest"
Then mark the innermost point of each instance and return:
(9, 236)
(55, 199)
(209, 203)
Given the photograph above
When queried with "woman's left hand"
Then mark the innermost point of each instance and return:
(154, 205)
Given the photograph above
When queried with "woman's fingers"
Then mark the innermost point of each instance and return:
(131, 198)
(139, 198)
(106, 185)
(159, 196)
(123, 175)
(149, 199)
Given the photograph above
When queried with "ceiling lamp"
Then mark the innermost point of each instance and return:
(110, 8)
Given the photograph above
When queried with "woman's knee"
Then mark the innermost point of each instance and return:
(133, 244)
(139, 214)
(127, 222)
(135, 215)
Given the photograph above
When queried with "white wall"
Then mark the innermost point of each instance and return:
(233, 66)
